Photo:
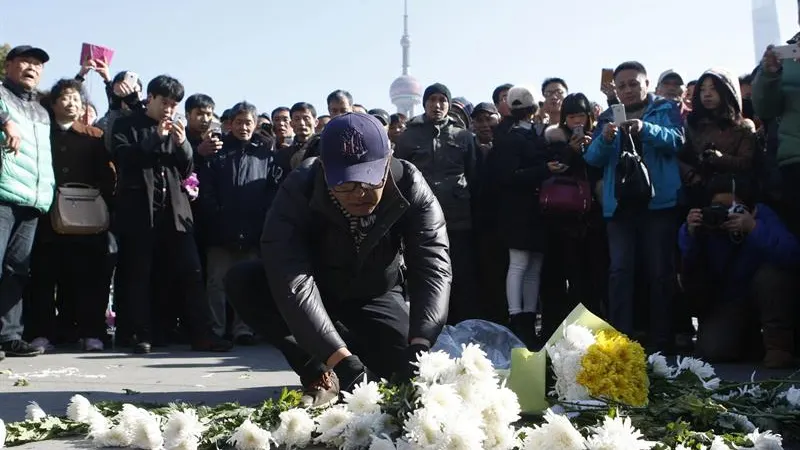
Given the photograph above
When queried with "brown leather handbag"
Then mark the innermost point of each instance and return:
(79, 210)
(565, 196)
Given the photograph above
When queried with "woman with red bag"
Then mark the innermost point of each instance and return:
(517, 167)
(576, 270)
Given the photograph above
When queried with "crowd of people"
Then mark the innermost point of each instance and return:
(360, 234)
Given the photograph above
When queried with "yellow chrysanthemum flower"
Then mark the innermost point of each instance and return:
(615, 368)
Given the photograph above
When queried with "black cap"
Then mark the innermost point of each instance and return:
(27, 50)
(484, 107)
(380, 114)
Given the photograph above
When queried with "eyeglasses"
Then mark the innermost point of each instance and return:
(558, 93)
(351, 186)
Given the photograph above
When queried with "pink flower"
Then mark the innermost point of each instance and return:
(192, 186)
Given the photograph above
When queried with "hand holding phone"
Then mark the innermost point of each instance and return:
(791, 51)
(619, 114)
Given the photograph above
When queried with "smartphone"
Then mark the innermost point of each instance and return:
(578, 131)
(619, 114)
(131, 78)
(606, 77)
(791, 51)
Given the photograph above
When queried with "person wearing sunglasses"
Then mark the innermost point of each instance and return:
(344, 233)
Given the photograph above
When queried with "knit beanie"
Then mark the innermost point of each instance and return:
(436, 88)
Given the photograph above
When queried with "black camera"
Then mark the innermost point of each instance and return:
(715, 215)
(266, 127)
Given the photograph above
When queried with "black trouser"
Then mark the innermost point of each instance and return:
(575, 270)
(376, 331)
(71, 274)
(150, 264)
(492, 270)
(464, 290)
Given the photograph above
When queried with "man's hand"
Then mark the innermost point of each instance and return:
(770, 62)
(123, 89)
(87, 67)
(102, 69)
(557, 167)
(13, 137)
(740, 223)
(411, 354)
(634, 126)
(694, 220)
(178, 132)
(210, 145)
(351, 371)
(609, 90)
(609, 132)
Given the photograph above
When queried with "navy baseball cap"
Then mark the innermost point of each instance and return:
(27, 50)
(354, 147)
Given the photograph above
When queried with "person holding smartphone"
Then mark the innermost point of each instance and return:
(580, 258)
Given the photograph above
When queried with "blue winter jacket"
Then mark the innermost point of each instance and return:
(770, 242)
(661, 137)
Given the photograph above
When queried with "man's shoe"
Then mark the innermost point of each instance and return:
(778, 359)
(211, 343)
(44, 343)
(246, 340)
(92, 345)
(322, 392)
(20, 348)
(142, 348)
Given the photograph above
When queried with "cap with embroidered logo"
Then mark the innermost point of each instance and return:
(354, 147)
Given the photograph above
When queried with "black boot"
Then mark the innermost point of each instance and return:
(523, 325)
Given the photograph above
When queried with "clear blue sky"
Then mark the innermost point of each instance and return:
(275, 53)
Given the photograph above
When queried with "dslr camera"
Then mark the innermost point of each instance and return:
(715, 215)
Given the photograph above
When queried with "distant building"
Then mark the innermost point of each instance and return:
(406, 91)
(766, 29)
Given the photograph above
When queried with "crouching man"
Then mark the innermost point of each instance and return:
(344, 233)
(739, 263)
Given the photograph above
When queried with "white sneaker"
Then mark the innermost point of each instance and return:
(42, 342)
(92, 345)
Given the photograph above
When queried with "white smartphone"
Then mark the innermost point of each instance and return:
(131, 78)
(619, 114)
(791, 51)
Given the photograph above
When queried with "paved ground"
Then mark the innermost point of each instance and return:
(247, 375)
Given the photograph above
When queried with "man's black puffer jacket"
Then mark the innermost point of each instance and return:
(311, 260)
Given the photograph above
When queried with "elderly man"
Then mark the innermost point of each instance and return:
(26, 186)
(333, 246)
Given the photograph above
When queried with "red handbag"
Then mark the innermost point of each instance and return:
(565, 196)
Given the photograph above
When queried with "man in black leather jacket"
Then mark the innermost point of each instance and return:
(336, 243)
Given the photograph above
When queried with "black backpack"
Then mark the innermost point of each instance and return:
(633, 185)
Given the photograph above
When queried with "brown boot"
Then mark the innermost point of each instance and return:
(779, 345)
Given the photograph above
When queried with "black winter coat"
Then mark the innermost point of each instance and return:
(518, 165)
(311, 261)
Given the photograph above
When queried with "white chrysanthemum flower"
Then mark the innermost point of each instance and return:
(423, 429)
(660, 366)
(700, 368)
(617, 433)
(331, 424)
(2, 433)
(249, 436)
(146, 431)
(737, 422)
(435, 367)
(566, 362)
(718, 444)
(382, 443)
(439, 397)
(183, 430)
(712, 384)
(361, 429)
(473, 363)
(365, 399)
(499, 437)
(34, 412)
(503, 408)
(476, 394)
(556, 433)
(792, 396)
(295, 428)
(97, 421)
(765, 440)
(464, 430)
(579, 337)
(117, 436)
(78, 409)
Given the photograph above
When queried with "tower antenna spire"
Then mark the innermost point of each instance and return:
(405, 41)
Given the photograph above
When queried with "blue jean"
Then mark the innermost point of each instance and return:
(653, 236)
(17, 230)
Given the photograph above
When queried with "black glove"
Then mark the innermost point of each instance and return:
(350, 372)
(409, 369)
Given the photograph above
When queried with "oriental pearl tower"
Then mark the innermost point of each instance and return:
(405, 92)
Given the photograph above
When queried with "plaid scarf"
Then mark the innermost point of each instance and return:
(359, 226)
